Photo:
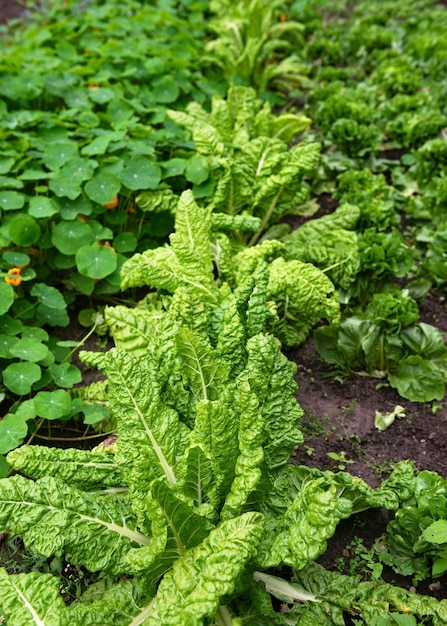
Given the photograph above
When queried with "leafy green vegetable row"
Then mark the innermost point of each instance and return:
(195, 507)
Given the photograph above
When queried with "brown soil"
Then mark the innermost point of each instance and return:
(10, 9)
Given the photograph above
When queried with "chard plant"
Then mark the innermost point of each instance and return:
(256, 44)
(194, 509)
(244, 162)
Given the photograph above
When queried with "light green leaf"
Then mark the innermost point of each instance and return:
(96, 261)
(151, 436)
(6, 297)
(202, 369)
(418, 379)
(192, 590)
(19, 377)
(91, 531)
(32, 599)
(29, 349)
(69, 236)
(78, 467)
(140, 173)
(13, 430)
(53, 404)
(436, 532)
(102, 188)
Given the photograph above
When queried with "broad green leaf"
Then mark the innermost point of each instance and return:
(51, 316)
(65, 374)
(29, 349)
(24, 230)
(418, 379)
(175, 524)
(49, 296)
(64, 187)
(6, 343)
(165, 90)
(41, 207)
(19, 377)
(57, 154)
(11, 200)
(125, 242)
(96, 261)
(102, 188)
(80, 467)
(13, 430)
(197, 170)
(4, 467)
(91, 531)
(6, 297)
(204, 371)
(192, 590)
(53, 404)
(140, 173)
(68, 237)
(32, 599)
(151, 436)
(436, 532)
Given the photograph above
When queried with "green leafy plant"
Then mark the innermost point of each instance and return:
(386, 341)
(247, 167)
(256, 44)
(196, 499)
(415, 542)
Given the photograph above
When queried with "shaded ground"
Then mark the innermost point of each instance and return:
(10, 9)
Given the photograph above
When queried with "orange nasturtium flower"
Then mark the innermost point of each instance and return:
(14, 277)
(112, 204)
(107, 244)
(283, 17)
(93, 85)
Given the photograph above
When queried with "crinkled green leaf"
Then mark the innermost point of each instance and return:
(198, 580)
(30, 599)
(91, 531)
(303, 296)
(151, 436)
(202, 369)
(77, 467)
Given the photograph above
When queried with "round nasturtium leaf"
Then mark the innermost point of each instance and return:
(19, 377)
(29, 349)
(65, 374)
(41, 207)
(58, 153)
(15, 258)
(50, 296)
(165, 90)
(140, 173)
(52, 404)
(125, 242)
(24, 230)
(68, 237)
(6, 343)
(13, 431)
(11, 200)
(102, 188)
(197, 170)
(6, 297)
(96, 261)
